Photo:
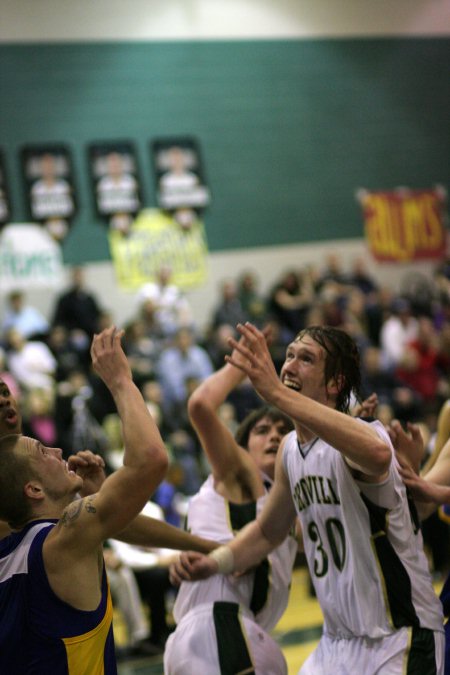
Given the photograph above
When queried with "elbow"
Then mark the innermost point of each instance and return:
(382, 457)
(197, 405)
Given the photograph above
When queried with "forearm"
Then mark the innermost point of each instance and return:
(140, 434)
(214, 390)
(250, 547)
(150, 532)
(355, 440)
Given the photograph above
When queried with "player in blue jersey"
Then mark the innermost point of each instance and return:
(55, 605)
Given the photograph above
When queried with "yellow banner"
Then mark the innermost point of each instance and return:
(405, 225)
(156, 239)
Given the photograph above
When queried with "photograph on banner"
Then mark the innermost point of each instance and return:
(115, 183)
(5, 209)
(29, 258)
(155, 239)
(48, 176)
(180, 181)
(405, 224)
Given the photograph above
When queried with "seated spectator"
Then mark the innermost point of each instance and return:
(361, 278)
(24, 318)
(252, 301)
(399, 328)
(418, 367)
(377, 375)
(141, 350)
(30, 362)
(38, 417)
(67, 352)
(289, 302)
(184, 359)
(78, 310)
(228, 310)
(333, 275)
(171, 308)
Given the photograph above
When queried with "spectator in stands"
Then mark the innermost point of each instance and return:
(419, 365)
(361, 278)
(289, 302)
(28, 320)
(184, 359)
(252, 301)
(399, 329)
(171, 308)
(30, 361)
(78, 310)
(228, 310)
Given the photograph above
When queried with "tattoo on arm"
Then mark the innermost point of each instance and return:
(90, 508)
(71, 513)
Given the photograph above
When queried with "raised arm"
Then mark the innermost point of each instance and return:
(442, 436)
(123, 494)
(227, 459)
(357, 441)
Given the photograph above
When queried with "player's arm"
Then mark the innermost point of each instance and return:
(89, 521)
(153, 533)
(442, 435)
(227, 459)
(358, 442)
(253, 543)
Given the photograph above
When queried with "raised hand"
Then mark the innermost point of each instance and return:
(108, 358)
(251, 355)
(91, 468)
(409, 445)
(366, 408)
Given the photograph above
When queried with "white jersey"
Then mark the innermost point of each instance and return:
(265, 591)
(363, 544)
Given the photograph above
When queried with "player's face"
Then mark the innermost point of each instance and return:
(303, 369)
(263, 443)
(10, 418)
(52, 469)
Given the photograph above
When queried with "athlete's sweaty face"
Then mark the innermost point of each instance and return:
(263, 443)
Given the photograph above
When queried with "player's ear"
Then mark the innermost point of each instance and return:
(33, 490)
(335, 385)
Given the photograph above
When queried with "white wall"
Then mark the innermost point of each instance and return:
(61, 20)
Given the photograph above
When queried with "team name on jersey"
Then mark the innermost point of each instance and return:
(314, 490)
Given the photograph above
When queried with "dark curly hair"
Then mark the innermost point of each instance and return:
(251, 420)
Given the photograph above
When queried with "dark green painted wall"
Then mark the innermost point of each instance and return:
(288, 129)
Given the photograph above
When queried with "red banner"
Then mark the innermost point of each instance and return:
(405, 225)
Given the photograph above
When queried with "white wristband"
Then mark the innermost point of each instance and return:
(224, 559)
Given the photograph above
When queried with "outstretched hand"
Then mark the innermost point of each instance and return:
(192, 566)
(251, 355)
(409, 445)
(91, 468)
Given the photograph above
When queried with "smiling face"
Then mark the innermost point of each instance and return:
(10, 418)
(304, 370)
(263, 442)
